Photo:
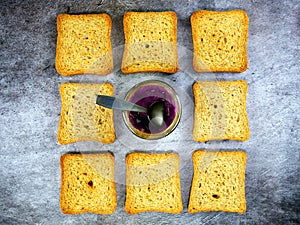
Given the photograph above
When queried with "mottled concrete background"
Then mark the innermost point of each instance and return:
(30, 108)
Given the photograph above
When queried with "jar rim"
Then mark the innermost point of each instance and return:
(171, 127)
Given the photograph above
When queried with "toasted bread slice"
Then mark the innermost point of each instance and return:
(220, 111)
(153, 183)
(83, 44)
(219, 182)
(81, 119)
(220, 41)
(150, 42)
(87, 184)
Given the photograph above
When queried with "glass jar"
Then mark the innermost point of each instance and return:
(146, 94)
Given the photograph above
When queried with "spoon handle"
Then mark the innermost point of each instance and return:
(119, 104)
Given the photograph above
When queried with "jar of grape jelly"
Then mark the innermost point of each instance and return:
(146, 94)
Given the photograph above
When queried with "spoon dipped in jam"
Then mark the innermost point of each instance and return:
(155, 113)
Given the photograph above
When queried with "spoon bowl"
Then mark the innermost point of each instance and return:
(156, 114)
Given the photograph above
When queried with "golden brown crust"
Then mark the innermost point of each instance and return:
(205, 206)
(66, 69)
(127, 70)
(199, 62)
(65, 179)
(203, 118)
(60, 139)
(152, 63)
(67, 135)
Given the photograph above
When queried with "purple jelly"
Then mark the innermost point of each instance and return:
(146, 96)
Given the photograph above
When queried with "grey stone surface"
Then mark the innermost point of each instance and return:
(30, 108)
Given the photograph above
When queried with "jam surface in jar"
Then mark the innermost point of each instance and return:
(146, 96)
